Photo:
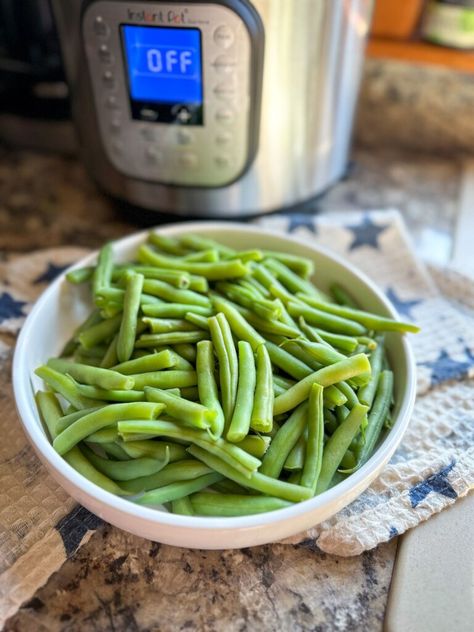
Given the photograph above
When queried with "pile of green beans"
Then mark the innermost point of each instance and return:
(217, 382)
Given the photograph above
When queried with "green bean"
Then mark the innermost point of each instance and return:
(295, 477)
(253, 287)
(326, 376)
(300, 265)
(227, 486)
(370, 343)
(295, 459)
(233, 455)
(128, 326)
(315, 442)
(185, 470)
(210, 504)
(264, 308)
(286, 362)
(182, 506)
(348, 462)
(197, 242)
(337, 445)
(345, 343)
(278, 390)
(175, 310)
(341, 295)
(196, 320)
(333, 397)
(170, 245)
(256, 445)
(298, 352)
(124, 470)
(69, 418)
(321, 352)
(367, 393)
(262, 411)
(284, 441)
(174, 295)
(114, 450)
(50, 411)
(164, 379)
(227, 365)
(205, 256)
(188, 412)
(65, 386)
(114, 297)
(377, 415)
(101, 418)
(80, 275)
(110, 395)
(106, 435)
(167, 325)
(365, 319)
(321, 318)
(240, 422)
(283, 382)
(103, 270)
(246, 255)
(208, 395)
(181, 364)
(158, 340)
(289, 279)
(177, 490)
(348, 391)
(186, 351)
(153, 449)
(181, 280)
(95, 376)
(95, 334)
(212, 271)
(257, 481)
(238, 324)
(110, 356)
(165, 359)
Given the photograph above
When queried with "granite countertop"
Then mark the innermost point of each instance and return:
(121, 582)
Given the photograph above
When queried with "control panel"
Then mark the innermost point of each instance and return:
(174, 88)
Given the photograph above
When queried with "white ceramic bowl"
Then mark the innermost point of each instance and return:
(62, 307)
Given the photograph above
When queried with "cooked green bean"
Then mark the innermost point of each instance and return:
(349, 393)
(188, 412)
(110, 356)
(177, 490)
(227, 366)
(295, 459)
(332, 322)
(341, 295)
(181, 280)
(289, 279)
(95, 376)
(262, 411)
(286, 362)
(256, 445)
(238, 324)
(258, 481)
(153, 449)
(196, 320)
(104, 330)
(65, 386)
(168, 325)
(175, 310)
(160, 340)
(164, 379)
(186, 351)
(284, 441)
(326, 376)
(174, 295)
(170, 245)
(208, 394)
(264, 308)
(182, 506)
(197, 242)
(300, 265)
(367, 393)
(165, 359)
(209, 504)
(50, 411)
(345, 343)
(124, 470)
(106, 416)
(80, 275)
(184, 470)
(319, 351)
(110, 395)
(315, 442)
(103, 270)
(333, 397)
(70, 417)
(337, 445)
(240, 422)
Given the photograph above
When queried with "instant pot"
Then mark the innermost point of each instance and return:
(222, 108)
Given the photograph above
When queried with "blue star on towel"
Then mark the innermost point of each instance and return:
(50, 273)
(403, 307)
(436, 483)
(301, 220)
(366, 233)
(446, 368)
(73, 527)
(10, 308)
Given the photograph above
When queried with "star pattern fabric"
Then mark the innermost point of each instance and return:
(51, 272)
(366, 233)
(447, 368)
(437, 483)
(302, 220)
(403, 307)
(10, 308)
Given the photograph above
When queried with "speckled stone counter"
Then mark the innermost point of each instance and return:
(120, 582)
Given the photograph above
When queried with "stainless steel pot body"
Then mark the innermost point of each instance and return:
(313, 57)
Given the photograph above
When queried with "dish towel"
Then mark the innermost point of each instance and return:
(40, 525)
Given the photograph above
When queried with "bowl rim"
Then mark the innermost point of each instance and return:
(21, 381)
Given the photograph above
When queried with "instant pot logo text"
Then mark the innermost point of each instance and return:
(157, 17)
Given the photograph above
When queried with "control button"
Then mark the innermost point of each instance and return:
(225, 90)
(224, 36)
(224, 64)
(153, 155)
(108, 78)
(183, 137)
(224, 115)
(115, 125)
(224, 138)
(148, 114)
(105, 55)
(100, 27)
(223, 161)
(184, 115)
(111, 101)
(149, 134)
(188, 160)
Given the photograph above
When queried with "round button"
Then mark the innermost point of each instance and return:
(115, 125)
(108, 78)
(188, 160)
(100, 27)
(111, 101)
(149, 134)
(224, 36)
(225, 90)
(153, 155)
(223, 161)
(183, 137)
(224, 64)
(105, 55)
(224, 138)
(224, 115)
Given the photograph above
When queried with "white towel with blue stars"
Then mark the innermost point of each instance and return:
(40, 526)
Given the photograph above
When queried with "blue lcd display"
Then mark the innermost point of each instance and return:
(164, 73)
